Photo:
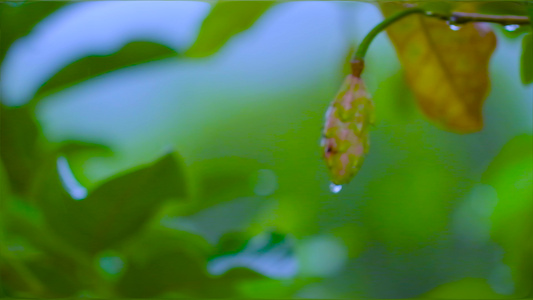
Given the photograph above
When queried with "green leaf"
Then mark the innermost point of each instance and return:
(22, 152)
(467, 288)
(530, 13)
(174, 261)
(511, 175)
(37, 278)
(24, 228)
(226, 20)
(220, 179)
(18, 151)
(270, 254)
(77, 153)
(441, 7)
(502, 8)
(113, 211)
(526, 61)
(174, 266)
(18, 19)
(133, 53)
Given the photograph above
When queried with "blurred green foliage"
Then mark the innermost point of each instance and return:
(225, 20)
(240, 206)
(132, 54)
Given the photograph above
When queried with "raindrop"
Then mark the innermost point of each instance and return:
(335, 188)
(453, 26)
(511, 27)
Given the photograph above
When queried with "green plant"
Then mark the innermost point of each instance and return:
(446, 59)
(194, 222)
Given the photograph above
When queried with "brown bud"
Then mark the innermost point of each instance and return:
(345, 137)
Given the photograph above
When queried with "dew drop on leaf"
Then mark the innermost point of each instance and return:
(335, 188)
(511, 27)
(453, 26)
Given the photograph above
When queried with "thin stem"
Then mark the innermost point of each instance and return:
(363, 47)
(462, 18)
(454, 18)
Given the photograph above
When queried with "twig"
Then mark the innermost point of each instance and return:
(462, 18)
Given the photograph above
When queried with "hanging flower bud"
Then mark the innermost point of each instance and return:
(345, 137)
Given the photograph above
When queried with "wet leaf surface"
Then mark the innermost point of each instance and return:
(446, 69)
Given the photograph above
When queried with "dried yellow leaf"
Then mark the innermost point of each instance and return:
(446, 68)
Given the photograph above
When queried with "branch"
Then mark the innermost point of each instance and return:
(455, 18)
(462, 18)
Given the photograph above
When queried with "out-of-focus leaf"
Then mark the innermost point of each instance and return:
(76, 153)
(22, 152)
(18, 146)
(18, 19)
(37, 278)
(441, 7)
(467, 288)
(25, 230)
(226, 20)
(69, 148)
(446, 69)
(113, 211)
(224, 179)
(530, 13)
(502, 8)
(162, 261)
(269, 288)
(511, 175)
(526, 60)
(133, 53)
(269, 254)
(516, 152)
(175, 266)
(215, 221)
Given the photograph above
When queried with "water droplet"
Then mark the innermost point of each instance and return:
(453, 26)
(511, 27)
(335, 188)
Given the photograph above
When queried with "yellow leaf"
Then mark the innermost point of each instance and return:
(446, 69)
